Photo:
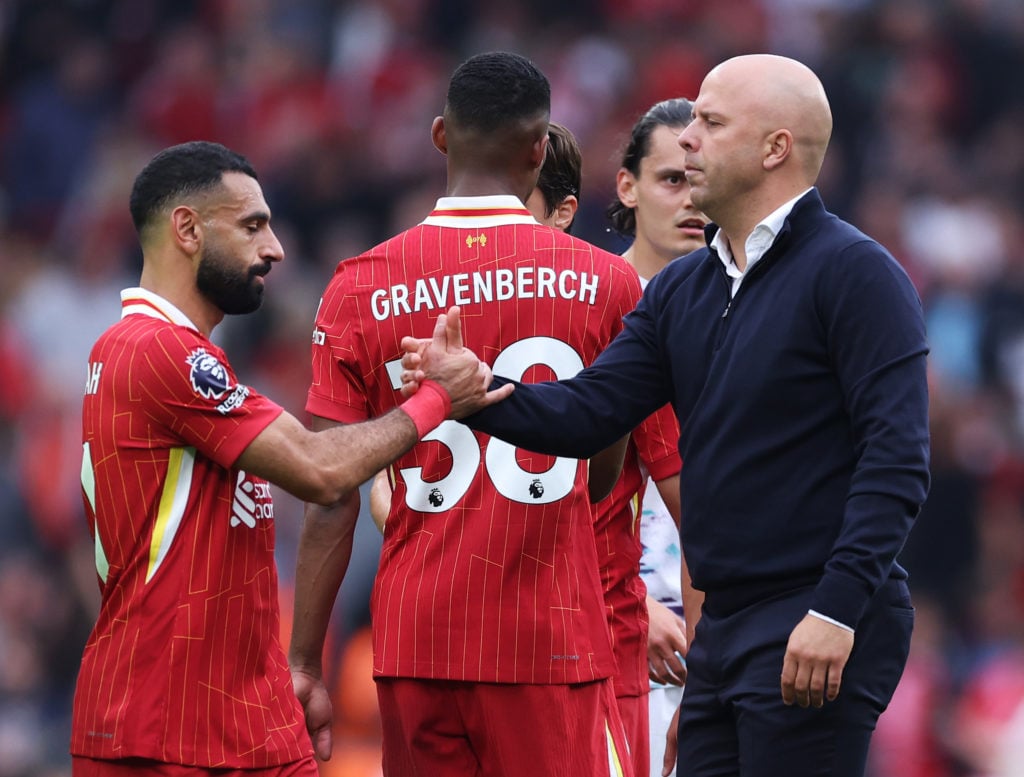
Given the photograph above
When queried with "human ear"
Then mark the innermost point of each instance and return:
(565, 212)
(438, 135)
(538, 151)
(625, 187)
(187, 229)
(779, 144)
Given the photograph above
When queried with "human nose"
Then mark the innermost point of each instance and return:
(273, 250)
(686, 138)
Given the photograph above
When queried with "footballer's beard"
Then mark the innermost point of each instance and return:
(233, 289)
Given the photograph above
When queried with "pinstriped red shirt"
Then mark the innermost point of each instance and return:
(653, 449)
(184, 664)
(489, 568)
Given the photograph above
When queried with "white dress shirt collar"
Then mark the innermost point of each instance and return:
(757, 243)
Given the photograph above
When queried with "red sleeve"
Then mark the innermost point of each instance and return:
(337, 391)
(657, 443)
(192, 390)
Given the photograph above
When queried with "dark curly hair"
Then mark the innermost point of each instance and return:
(183, 169)
(491, 90)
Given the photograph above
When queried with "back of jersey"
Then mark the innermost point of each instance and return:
(489, 569)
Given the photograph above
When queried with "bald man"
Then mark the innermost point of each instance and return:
(793, 350)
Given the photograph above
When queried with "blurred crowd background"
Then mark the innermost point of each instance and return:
(332, 101)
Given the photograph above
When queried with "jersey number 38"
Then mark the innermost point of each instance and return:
(509, 478)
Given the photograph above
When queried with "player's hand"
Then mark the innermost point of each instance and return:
(412, 375)
(316, 702)
(666, 644)
(816, 655)
(444, 360)
(668, 762)
(447, 338)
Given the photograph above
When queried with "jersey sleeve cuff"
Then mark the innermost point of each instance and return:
(664, 468)
(333, 411)
(235, 445)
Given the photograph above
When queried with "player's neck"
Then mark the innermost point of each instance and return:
(646, 261)
(186, 298)
(472, 184)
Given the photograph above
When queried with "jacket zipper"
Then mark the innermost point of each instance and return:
(754, 271)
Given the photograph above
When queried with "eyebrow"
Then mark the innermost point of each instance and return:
(258, 215)
(666, 170)
(707, 113)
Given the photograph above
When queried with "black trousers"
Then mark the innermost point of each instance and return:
(733, 722)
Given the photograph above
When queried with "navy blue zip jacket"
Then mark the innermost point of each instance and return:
(803, 406)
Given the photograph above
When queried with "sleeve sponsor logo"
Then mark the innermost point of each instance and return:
(210, 379)
(208, 376)
(319, 336)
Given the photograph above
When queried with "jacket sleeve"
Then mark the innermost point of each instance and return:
(584, 414)
(877, 342)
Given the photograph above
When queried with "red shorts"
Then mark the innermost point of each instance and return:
(143, 767)
(636, 721)
(442, 728)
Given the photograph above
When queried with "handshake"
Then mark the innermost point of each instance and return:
(444, 360)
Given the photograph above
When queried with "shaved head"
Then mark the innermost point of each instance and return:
(761, 125)
(780, 93)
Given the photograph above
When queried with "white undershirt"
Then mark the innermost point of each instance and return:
(757, 243)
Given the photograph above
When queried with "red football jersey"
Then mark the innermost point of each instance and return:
(185, 663)
(489, 567)
(653, 448)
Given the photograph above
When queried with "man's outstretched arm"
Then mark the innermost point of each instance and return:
(576, 417)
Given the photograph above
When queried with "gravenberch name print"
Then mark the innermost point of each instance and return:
(523, 282)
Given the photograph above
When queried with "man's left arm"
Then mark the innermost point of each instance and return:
(878, 350)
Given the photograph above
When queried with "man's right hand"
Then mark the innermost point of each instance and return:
(444, 360)
(312, 695)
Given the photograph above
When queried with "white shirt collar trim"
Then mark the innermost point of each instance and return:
(476, 212)
(139, 301)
